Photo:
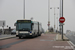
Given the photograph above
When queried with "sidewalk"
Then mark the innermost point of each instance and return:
(59, 37)
(70, 46)
(5, 36)
(59, 44)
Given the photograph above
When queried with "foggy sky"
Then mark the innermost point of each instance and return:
(11, 10)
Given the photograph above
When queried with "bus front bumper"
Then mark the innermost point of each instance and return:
(23, 35)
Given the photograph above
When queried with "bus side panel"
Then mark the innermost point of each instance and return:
(35, 28)
(40, 28)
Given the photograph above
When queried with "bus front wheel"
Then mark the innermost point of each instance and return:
(19, 37)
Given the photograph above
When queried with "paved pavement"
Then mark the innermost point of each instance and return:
(6, 36)
(43, 42)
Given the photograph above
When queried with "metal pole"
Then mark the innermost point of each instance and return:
(57, 19)
(24, 10)
(3, 30)
(54, 19)
(48, 12)
(62, 16)
(57, 22)
(3, 27)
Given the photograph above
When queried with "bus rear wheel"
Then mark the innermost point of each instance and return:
(39, 34)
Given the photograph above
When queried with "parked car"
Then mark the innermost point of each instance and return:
(13, 32)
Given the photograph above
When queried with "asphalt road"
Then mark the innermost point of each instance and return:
(43, 42)
(71, 37)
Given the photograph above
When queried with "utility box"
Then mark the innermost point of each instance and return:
(2, 23)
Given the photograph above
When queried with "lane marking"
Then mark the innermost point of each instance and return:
(46, 40)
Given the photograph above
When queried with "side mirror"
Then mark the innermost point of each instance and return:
(15, 24)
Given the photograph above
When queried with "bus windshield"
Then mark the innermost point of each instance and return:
(23, 26)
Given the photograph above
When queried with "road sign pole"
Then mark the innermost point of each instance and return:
(62, 19)
(62, 16)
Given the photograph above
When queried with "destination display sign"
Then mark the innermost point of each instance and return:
(24, 21)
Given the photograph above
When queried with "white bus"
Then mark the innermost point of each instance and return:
(26, 28)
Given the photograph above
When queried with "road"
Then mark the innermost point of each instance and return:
(43, 42)
(71, 37)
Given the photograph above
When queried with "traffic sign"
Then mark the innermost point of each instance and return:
(61, 19)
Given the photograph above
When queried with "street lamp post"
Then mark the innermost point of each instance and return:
(24, 10)
(57, 19)
(54, 19)
(61, 15)
(48, 14)
(54, 16)
(57, 22)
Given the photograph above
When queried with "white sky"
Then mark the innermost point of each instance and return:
(11, 10)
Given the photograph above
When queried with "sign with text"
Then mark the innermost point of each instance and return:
(24, 21)
(61, 19)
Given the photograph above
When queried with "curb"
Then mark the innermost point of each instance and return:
(71, 44)
(7, 37)
(67, 39)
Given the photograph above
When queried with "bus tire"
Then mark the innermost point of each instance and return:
(39, 34)
(32, 36)
(19, 37)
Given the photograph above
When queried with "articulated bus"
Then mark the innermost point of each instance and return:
(29, 28)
